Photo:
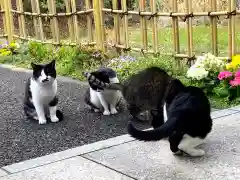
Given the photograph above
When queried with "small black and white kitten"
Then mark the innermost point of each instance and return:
(41, 94)
(188, 120)
(100, 99)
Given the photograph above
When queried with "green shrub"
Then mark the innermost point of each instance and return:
(72, 61)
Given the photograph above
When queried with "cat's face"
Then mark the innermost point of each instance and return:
(44, 73)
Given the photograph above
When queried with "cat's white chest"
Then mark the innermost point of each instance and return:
(43, 93)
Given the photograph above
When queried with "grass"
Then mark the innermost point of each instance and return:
(201, 39)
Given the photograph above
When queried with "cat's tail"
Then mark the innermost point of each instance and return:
(156, 134)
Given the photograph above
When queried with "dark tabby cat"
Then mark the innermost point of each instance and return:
(41, 94)
(145, 90)
(188, 121)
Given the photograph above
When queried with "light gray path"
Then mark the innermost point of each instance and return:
(123, 158)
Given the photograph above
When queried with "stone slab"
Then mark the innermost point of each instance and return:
(236, 108)
(24, 165)
(223, 112)
(154, 160)
(3, 173)
(76, 168)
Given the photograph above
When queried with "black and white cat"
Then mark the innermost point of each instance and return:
(187, 108)
(41, 94)
(188, 120)
(100, 99)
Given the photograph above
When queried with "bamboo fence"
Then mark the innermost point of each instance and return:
(96, 28)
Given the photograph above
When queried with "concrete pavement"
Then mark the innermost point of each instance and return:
(123, 158)
(21, 139)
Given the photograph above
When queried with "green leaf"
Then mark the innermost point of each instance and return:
(221, 92)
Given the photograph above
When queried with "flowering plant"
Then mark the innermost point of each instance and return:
(230, 78)
(205, 70)
(123, 65)
(8, 49)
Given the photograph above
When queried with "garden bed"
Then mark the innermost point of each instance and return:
(72, 61)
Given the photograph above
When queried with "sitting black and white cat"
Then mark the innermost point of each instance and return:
(41, 94)
(188, 120)
(100, 99)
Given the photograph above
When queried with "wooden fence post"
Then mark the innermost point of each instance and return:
(98, 21)
(7, 20)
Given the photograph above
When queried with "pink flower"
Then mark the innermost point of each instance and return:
(235, 82)
(237, 74)
(224, 75)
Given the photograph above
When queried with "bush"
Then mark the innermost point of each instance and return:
(217, 78)
(70, 61)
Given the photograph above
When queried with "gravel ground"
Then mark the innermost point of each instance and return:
(21, 139)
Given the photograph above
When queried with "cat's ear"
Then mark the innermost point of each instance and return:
(35, 66)
(52, 64)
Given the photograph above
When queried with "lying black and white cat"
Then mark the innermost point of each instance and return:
(188, 120)
(100, 99)
(41, 94)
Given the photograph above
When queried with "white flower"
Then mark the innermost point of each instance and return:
(17, 45)
(197, 73)
(209, 62)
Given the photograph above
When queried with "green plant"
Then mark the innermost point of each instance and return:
(230, 80)
(128, 65)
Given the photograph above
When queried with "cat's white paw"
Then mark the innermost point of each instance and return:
(96, 110)
(106, 113)
(199, 152)
(177, 152)
(114, 111)
(35, 118)
(42, 121)
(54, 119)
(196, 153)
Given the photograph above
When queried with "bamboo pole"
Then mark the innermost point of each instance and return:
(154, 25)
(70, 20)
(169, 14)
(233, 27)
(230, 30)
(35, 23)
(125, 24)
(146, 13)
(175, 29)
(116, 23)
(143, 24)
(98, 24)
(53, 42)
(37, 20)
(102, 28)
(167, 54)
(54, 21)
(214, 28)
(21, 19)
(89, 22)
(51, 15)
(75, 21)
(189, 28)
(40, 25)
(7, 20)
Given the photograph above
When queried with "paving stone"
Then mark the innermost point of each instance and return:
(77, 168)
(24, 165)
(154, 160)
(3, 173)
